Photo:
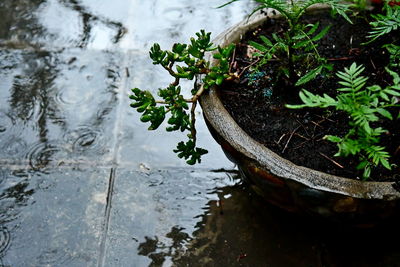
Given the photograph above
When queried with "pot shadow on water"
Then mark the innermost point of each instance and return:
(241, 229)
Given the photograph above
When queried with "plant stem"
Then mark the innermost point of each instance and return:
(292, 73)
(193, 131)
(192, 113)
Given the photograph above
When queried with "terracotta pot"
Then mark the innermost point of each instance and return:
(380, 3)
(284, 184)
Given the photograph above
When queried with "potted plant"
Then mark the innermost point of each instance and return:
(286, 69)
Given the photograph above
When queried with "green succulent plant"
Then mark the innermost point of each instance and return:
(183, 61)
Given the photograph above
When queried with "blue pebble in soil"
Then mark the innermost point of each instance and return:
(254, 77)
(267, 92)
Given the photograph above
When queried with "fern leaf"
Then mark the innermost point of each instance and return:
(258, 46)
(309, 76)
(266, 40)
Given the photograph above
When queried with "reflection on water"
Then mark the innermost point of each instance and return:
(242, 230)
(89, 20)
(158, 252)
(18, 33)
(57, 102)
(4, 240)
(41, 23)
(41, 123)
(29, 94)
(14, 194)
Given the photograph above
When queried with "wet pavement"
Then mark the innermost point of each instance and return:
(83, 183)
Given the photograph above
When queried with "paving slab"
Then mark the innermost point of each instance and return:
(58, 107)
(52, 219)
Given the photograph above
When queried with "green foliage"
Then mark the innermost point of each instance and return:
(217, 74)
(295, 9)
(190, 152)
(177, 106)
(385, 23)
(360, 5)
(394, 51)
(144, 103)
(268, 49)
(298, 44)
(183, 61)
(364, 105)
(303, 42)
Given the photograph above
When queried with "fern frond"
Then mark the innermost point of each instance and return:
(384, 24)
(378, 155)
(351, 79)
(337, 6)
(364, 106)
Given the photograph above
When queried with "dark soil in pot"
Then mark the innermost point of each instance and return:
(257, 100)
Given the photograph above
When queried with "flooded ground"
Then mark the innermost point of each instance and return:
(83, 183)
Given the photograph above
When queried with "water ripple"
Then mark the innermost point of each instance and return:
(53, 256)
(70, 96)
(13, 146)
(8, 125)
(5, 239)
(40, 155)
(3, 176)
(10, 131)
(8, 212)
(86, 139)
(173, 14)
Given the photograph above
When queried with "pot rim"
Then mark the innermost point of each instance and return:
(228, 129)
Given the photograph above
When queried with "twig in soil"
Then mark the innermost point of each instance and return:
(373, 65)
(304, 127)
(233, 60)
(301, 136)
(248, 66)
(316, 124)
(397, 151)
(290, 137)
(280, 138)
(300, 145)
(326, 118)
(340, 59)
(331, 160)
